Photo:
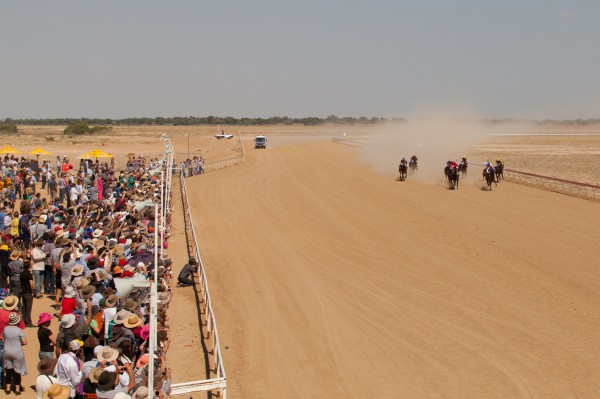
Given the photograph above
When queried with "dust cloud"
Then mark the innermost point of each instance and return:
(433, 139)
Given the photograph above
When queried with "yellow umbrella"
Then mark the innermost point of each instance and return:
(95, 154)
(39, 151)
(9, 150)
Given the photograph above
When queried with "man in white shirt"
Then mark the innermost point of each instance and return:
(67, 368)
(38, 260)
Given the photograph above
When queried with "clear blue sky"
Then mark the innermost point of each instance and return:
(531, 59)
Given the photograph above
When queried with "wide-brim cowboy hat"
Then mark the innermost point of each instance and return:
(14, 255)
(107, 354)
(121, 316)
(109, 291)
(95, 374)
(133, 321)
(10, 302)
(46, 366)
(77, 270)
(44, 317)
(111, 301)
(57, 391)
(88, 291)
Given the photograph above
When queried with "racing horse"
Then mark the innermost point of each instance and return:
(499, 172)
(402, 170)
(412, 165)
(452, 176)
(462, 167)
(488, 175)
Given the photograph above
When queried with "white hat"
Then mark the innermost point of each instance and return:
(67, 320)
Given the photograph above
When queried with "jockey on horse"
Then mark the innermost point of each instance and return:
(403, 162)
(413, 163)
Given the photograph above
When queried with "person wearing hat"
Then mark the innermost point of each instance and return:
(107, 384)
(9, 306)
(90, 384)
(109, 313)
(13, 357)
(27, 289)
(57, 391)
(71, 328)
(45, 336)
(45, 379)
(15, 267)
(68, 366)
(60, 246)
(38, 260)
(184, 280)
(49, 278)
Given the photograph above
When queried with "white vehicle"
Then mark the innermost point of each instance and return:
(260, 142)
(223, 135)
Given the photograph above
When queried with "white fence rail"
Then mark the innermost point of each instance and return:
(209, 331)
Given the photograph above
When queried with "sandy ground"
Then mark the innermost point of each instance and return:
(332, 281)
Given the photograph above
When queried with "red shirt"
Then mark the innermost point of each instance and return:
(68, 305)
(4, 320)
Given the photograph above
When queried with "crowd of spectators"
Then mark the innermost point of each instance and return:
(192, 167)
(85, 245)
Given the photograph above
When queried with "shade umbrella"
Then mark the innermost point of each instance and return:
(37, 152)
(95, 154)
(9, 150)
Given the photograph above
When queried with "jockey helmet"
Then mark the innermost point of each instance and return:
(448, 163)
(404, 159)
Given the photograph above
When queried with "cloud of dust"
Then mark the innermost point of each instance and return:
(434, 139)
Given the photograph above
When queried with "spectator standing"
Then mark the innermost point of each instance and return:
(13, 357)
(68, 366)
(15, 267)
(27, 290)
(45, 379)
(45, 336)
(38, 258)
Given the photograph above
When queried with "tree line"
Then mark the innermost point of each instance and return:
(204, 120)
(9, 125)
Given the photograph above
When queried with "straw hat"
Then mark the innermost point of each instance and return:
(94, 374)
(107, 354)
(111, 301)
(14, 255)
(57, 391)
(121, 316)
(81, 282)
(77, 270)
(109, 291)
(46, 366)
(44, 317)
(10, 302)
(14, 319)
(133, 321)
(97, 233)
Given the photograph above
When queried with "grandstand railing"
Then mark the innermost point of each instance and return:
(569, 187)
(210, 333)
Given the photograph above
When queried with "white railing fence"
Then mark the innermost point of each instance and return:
(209, 334)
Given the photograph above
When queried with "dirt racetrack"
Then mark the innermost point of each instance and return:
(330, 280)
